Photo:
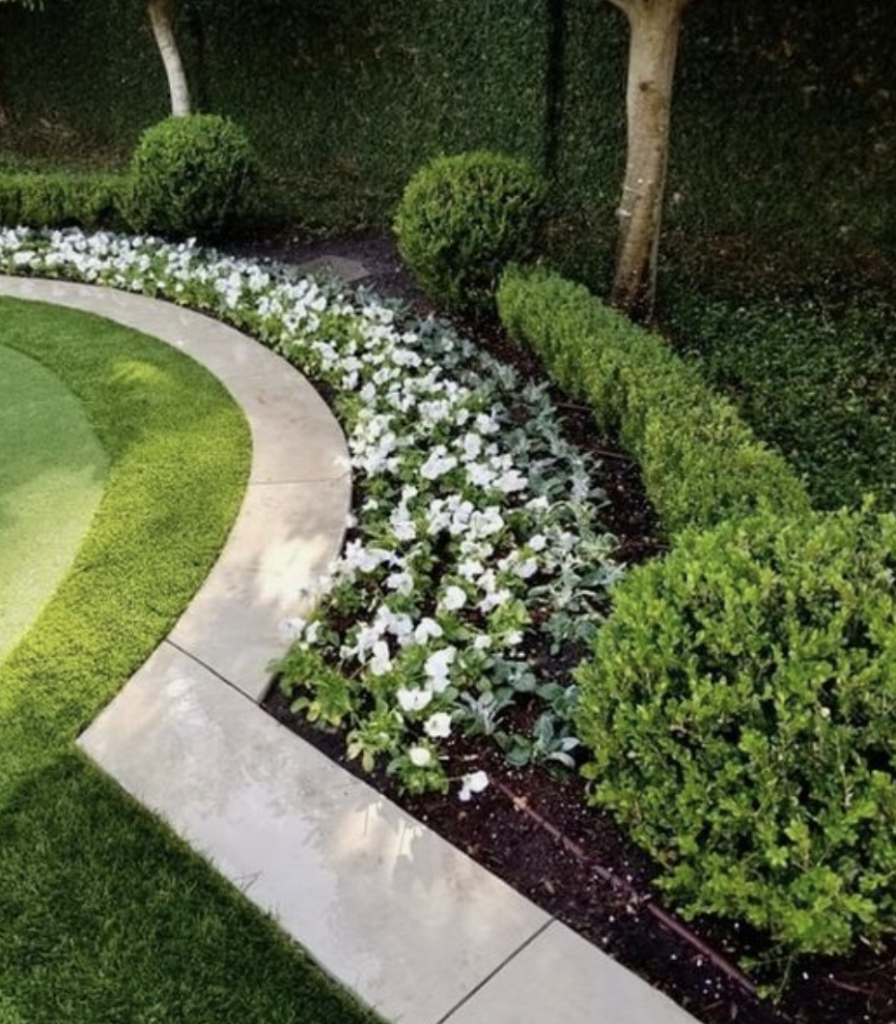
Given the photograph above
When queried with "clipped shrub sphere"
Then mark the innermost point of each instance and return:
(463, 218)
(740, 706)
(190, 176)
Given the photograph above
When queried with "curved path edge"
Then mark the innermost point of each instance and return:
(414, 927)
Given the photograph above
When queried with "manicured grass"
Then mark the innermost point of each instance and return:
(818, 381)
(104, 915)
(51, 480)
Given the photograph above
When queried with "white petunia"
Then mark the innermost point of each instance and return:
(381, 662)
(403, 582)
(474, 783)
(438, 668)
(420, 757)
(413, 700)
(438, 726)
(470, 568)
(527, 568)
(438, 464)
(511, 482)
(494, 600)
(453, 599)
(427, 629)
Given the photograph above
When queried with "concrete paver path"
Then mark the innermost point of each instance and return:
(414, 927)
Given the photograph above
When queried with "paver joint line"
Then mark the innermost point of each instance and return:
(485, 981)
(415, 927)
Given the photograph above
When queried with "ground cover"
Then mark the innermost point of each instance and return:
(815, 378)
(51, 481)
(106, 916)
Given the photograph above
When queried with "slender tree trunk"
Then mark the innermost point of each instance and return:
(161, 14)
(655, 26)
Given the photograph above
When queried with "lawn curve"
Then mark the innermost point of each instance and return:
(52, 472)
(106, 915)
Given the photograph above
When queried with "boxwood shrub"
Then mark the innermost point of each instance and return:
(701, 463)
(462, 219)
(741, 710)
(62, 200)
(190, 176)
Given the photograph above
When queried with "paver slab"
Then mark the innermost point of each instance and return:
(380, 901)
(559, 976)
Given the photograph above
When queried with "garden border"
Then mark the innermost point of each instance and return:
(413, 926)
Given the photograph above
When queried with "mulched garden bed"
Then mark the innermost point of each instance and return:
(534, 830)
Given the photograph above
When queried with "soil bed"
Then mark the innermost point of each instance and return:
(534, 829)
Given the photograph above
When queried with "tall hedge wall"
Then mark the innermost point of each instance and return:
(785, 121)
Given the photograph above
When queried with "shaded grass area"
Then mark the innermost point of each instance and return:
(818, 380)
(105, 915)
(52, 472)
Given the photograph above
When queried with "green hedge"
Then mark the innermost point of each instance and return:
(191, 176)
(62, 200)
(740, 707)
(463, 218)
(701, 464)
(344, 99)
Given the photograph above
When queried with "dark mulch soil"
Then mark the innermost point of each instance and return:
(536, 832)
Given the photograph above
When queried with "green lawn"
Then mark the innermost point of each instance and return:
(52, 470)
(105, 917)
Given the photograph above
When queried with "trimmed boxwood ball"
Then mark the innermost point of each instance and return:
(463, 218)
(190, 175)
(740, 706)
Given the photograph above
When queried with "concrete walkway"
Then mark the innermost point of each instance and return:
(414, 927)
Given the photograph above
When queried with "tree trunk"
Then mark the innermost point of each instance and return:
(655, 27)
(161, 14)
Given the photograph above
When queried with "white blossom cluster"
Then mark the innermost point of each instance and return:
(475, 544)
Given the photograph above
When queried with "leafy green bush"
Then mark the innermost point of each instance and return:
(62, 200)
(191, 175)
(701, 464)
(463, 218)
(741, 708)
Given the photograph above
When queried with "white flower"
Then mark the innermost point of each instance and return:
(472, 446)
(453, 599)
(482, 642)
(511, 481)
(420, 757)
(438, 464)
(413, 700)
(470, 569)
(538, 542)
(403, 582)
(438, 726)
(484, 524)
(474, 783)
(527, 568)
(427, 629)
(438, 667)
(494, 600)
(480, 475)
(381, 662)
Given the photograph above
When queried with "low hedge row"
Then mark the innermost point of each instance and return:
(701, 463)
(189, 176)
(740, 702)
(63, 200)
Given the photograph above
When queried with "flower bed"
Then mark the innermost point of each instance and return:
(476, 548)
